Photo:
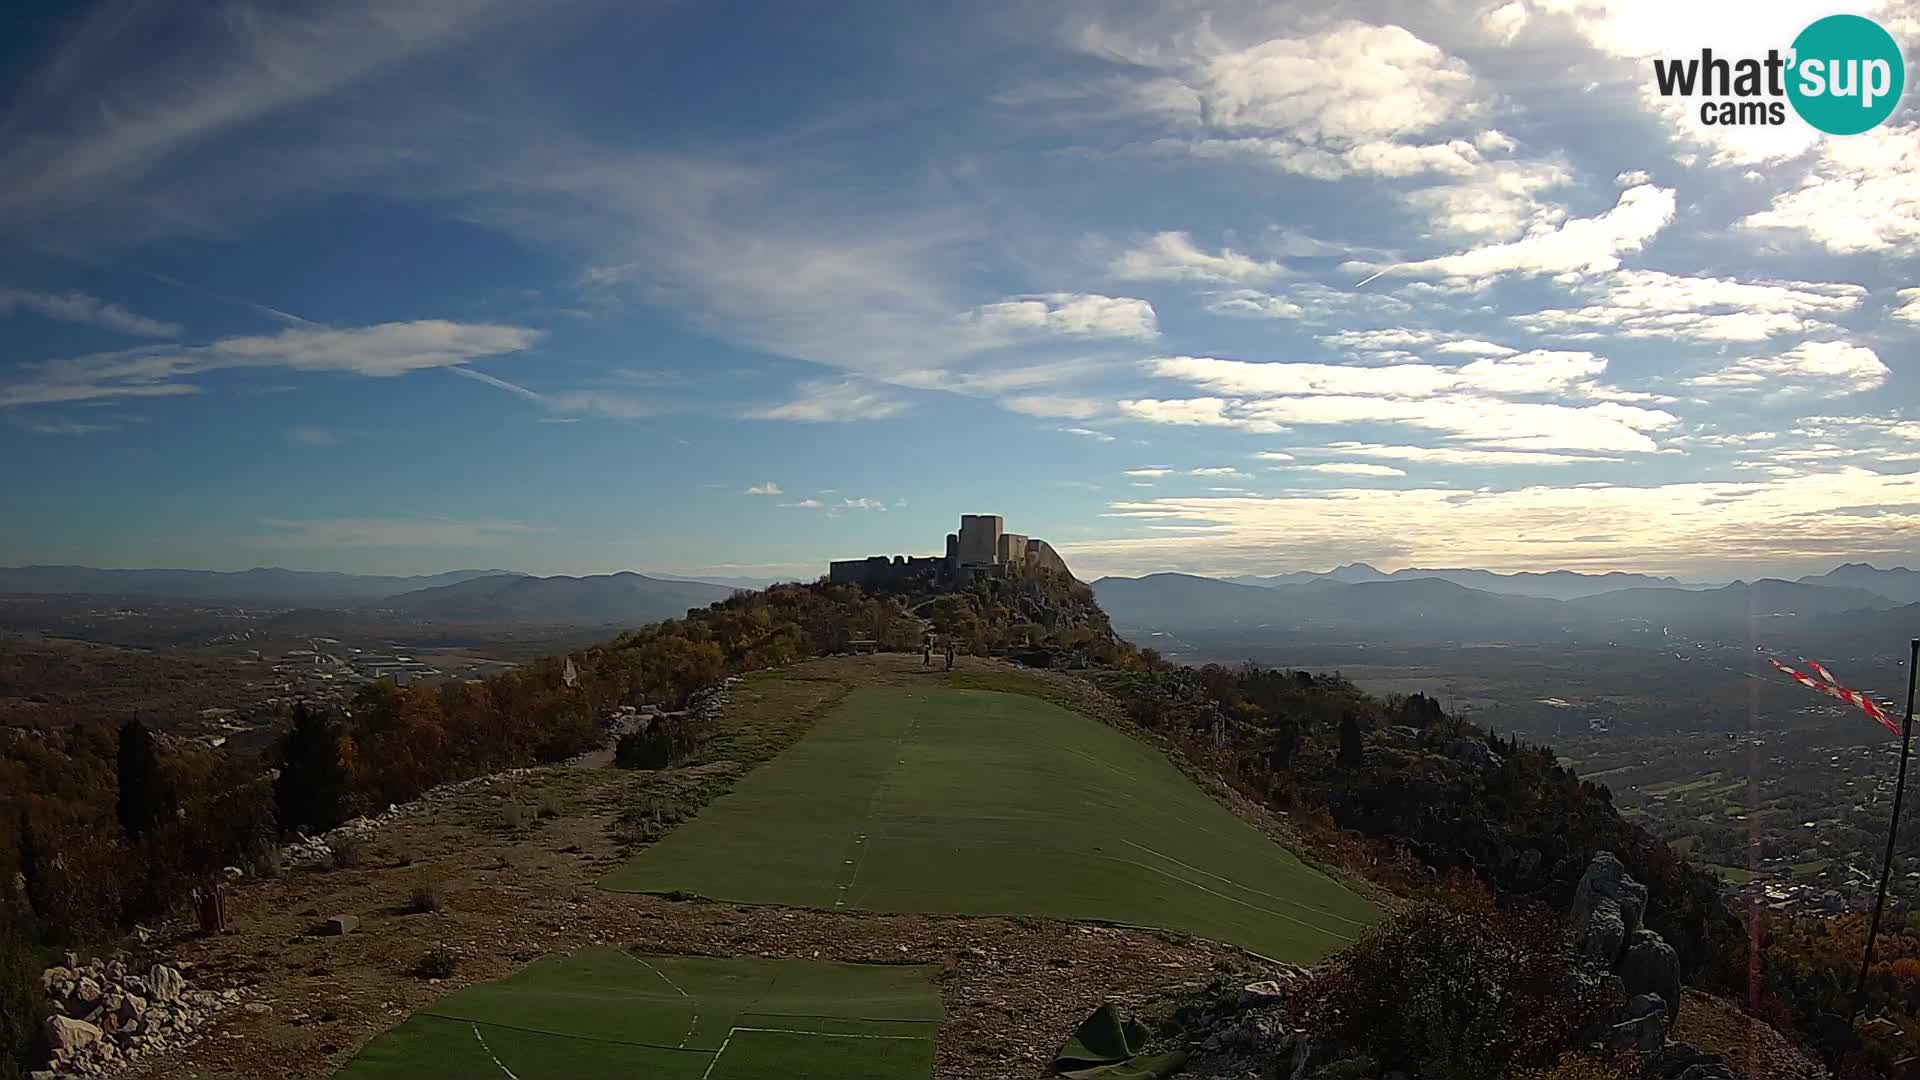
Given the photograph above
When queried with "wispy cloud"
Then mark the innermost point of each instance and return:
(823, 401)
(313, 436)
(768, 488)
(380, 351)
(77, 307)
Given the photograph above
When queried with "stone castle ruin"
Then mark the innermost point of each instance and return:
(982, 547)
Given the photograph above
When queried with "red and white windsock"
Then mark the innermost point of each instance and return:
(1831, 687)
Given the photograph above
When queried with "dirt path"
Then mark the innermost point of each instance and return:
(1013, 987)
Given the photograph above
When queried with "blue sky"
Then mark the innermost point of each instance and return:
(733, 288)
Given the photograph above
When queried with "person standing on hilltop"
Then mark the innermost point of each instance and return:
(926, 651)
(949, 654)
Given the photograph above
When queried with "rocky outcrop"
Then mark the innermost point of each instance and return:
(1608, 918)
(1650, 966)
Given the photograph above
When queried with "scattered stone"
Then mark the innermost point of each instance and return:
(166, 982)
(339, 925)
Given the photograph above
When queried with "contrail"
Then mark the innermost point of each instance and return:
(1373, 275)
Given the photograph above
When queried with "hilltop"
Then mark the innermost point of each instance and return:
(1393, 796)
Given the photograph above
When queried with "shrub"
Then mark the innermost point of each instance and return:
(349, 852)
(22, 1006)
(548, 805)
(513, 815)
(438, 963)
(1455, 995)
(427, 898)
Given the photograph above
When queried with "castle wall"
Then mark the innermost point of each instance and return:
(1012, 549)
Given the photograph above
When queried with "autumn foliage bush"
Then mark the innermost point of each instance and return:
(1454, 994)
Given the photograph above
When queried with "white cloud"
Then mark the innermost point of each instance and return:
(1692, 529)
(804, 504)
(1633, 178)
(77, 307)
(1055, 406)
(1495, 200)
(1536, 372)
(1474, 347)
(1456, 455)
(831, 401)
(1218, 472)
(1654, 304)
(1196, 412)
(1252, 303)
(1173, 256)
(1862, 195)
(1505, 22)
(1909, 307)
(1088, 433)
(1823, 368)
(1080, 315)
(1154, 473)
(1577, 246)
(1348, 468)
(768, 488)
(1604, 427)
(1352, 98)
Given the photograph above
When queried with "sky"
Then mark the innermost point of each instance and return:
(730, 288)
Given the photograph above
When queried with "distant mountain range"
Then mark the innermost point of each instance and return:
(1553, 585)
(1434, 608)
(1897, 583)
(624, 598)
(265, 586)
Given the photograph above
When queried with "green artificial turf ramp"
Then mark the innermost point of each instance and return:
(977, 802)
(605, 1013)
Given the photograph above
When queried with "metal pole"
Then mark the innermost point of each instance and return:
(1893, 830)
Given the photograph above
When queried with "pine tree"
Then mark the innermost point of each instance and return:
(311, 793)
(1351, 752)
(146, 799)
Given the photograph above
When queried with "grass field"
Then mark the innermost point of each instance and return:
(975, 802)
(608, 1014)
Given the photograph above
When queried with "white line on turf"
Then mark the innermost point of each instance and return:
(691, 1024)
(490, 1053)
(731, 1032)
(1238, 885)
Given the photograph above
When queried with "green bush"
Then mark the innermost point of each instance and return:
(22, 1006)
(438, 963)
(1460, 995)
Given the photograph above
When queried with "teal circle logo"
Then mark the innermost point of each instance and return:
(1847, 74)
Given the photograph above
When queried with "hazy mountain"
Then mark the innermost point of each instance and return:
(268, 585)
(1350, 574)
(1553, 585)
(748, 583)
(1182, 600)
(1415, 607)
(603, 598)
(1896, 583)
(1431, 608)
